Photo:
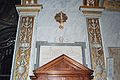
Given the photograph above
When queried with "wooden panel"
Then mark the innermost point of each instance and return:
(62, 68)
(64, 78)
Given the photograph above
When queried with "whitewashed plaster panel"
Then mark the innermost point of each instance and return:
(110, 28)
(75, 28)
(75, 52)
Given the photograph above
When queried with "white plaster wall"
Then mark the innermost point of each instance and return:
(75, 28)
(110, 28)
(75, 52)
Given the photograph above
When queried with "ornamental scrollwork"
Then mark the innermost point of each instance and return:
(113, 5)
(96, 49)
(23, 52)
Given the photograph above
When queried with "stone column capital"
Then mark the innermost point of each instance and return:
(28, 8)
(92, 12)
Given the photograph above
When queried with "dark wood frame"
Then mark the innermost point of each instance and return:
(63, 66)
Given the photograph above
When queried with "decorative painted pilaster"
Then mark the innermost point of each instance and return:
(92, 14)
(97, 54)
(25, 40)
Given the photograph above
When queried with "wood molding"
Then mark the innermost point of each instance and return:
(62, 67)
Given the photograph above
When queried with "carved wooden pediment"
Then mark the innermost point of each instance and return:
(61, 66)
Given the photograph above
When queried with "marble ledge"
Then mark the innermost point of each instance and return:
(32, 5)
(92, 12)
(29, 8)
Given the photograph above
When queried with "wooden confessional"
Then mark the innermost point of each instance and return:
(62, 68)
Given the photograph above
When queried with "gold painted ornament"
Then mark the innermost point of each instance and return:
(61, 18)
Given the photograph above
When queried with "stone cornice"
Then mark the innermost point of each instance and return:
(92, 12)
(28, 8)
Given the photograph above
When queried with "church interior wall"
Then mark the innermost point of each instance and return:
(75, 28)
(46, 29)
(110, 30)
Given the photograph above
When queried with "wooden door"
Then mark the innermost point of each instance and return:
(65, 77)
(62, 68)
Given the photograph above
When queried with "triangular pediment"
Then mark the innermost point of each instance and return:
(63, 64)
